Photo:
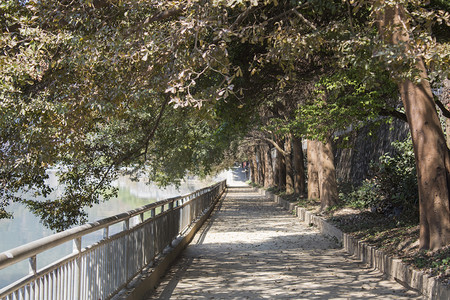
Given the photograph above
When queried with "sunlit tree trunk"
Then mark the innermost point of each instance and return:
(276, 177)
(256, 162)
(299, 169)
(261, 169)
(268, 178)
(327, 175)
(313, 169)
(447, 129)
(431, 151)
(446, 100)
(252, 161)
(289, 167)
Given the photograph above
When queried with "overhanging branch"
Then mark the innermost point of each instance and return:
(393, 113)
(163, 15)
(444, 110)
(275, 144)
(158, 119)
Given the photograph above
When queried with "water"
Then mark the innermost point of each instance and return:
(25, 227)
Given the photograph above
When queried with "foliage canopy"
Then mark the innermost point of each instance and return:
(93, 86)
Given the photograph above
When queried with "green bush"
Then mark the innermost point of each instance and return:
(392, 187)
(365, 196)
(396, 175)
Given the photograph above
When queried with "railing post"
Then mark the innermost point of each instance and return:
(126, 226)
(77, 268)
(32, 265)
(32, 271)
(106, 232)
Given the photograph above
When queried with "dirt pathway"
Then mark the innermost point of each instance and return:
(251, 249)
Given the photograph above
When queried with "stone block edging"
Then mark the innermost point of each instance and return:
(390, 266)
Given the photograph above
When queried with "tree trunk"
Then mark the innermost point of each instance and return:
(447, 130)
(431, 152)
(445, 99)
(276, 171)
(268, 178)
(289, 168)
(313, 167)
(327, 175)
(432, 159)
(282, 168)
(253, 172)
(299, 169)
(260, 161)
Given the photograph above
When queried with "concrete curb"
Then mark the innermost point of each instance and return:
(392, 267)
(150, 278)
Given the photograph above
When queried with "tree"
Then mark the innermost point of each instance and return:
(431, 151)
(313, 170)
(89, 86)
(356, 93)
(327, 175)
(299, 168)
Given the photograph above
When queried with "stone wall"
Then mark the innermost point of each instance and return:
(352, 159)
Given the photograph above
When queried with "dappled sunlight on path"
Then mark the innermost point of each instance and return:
(252, 249)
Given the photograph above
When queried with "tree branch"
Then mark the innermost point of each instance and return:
(158, 119)
(242, 17)
(163, 15)
(281, 150)
(304, 19)
(393, 113)
(349, 10)
(445, 111)
(286, 13)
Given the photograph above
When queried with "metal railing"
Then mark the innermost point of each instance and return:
(102, 269)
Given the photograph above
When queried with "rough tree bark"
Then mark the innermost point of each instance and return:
(447, 136)
(299, 168)
(445, 98)
(282, 167)
(289, 166)
(252, 161)
(431, 151)
(313, 169)
(261, 169)
(276, 178)
(268, 178)
(327, 175)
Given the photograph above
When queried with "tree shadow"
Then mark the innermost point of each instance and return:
(251, 249)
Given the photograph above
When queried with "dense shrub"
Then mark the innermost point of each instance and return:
(397, 178)
(364, 196)
(392, 187)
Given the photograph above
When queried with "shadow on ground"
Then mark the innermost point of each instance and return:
(251, 249)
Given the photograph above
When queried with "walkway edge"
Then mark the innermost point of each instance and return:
(145, 284)
(392, 267)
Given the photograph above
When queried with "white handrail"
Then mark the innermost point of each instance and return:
(20, 253)
(72, 277)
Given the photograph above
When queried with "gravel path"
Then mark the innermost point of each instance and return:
(252, 249)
